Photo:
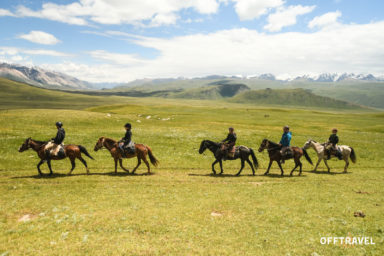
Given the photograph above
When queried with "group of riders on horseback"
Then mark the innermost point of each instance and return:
(228, 144)
(225, 150)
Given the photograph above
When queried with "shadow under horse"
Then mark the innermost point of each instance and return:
(71, 151)
(242, 153)
(275, 155)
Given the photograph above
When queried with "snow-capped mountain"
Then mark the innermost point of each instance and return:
(334, 77)
(40, 77)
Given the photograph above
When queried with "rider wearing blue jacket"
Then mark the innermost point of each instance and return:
(285, 142)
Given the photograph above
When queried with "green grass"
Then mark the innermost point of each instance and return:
(169, 212)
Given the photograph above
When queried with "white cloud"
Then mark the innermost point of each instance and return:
(251, 9)
(12, 51)
(244, 51)
(136, 12)
(40, 37)
(324, 20)
(116, 58)
(286, 16)
(4, 12)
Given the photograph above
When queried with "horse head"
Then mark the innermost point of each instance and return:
(264, 144)
(99, 143)
(25, 146)
(203, 147)
(308, 144)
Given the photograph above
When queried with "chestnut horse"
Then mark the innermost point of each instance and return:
(141, 152)
(275, 155)
(71, 151)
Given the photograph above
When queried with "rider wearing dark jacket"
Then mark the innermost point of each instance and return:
(126, 140)
(332, 145)
(229, 143)
(53, 147)
(60, 135)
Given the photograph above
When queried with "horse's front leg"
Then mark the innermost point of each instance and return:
(241, 168)
(121, 165)
(115, 165)
(213, 166)
(319, 158)
(269, 167)
(221, 166)
(38, 167)
(326, 164)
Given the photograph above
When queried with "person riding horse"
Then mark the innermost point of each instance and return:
(229, 144)
(126, 144)
(285, 143)
(331, 145)
(55, 147)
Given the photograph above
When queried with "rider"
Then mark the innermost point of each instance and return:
(229, 143)
(125, 142)
(331, 145)
(285, 142)
(54, 147)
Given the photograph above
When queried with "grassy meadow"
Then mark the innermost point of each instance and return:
(182, 209)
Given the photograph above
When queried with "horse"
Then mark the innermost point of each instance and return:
(242, 153)
(141, 152)
(275, 155)
(71, 151)
(346, 152)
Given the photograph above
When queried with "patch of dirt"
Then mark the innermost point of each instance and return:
(216, 214)
(359, 214)
(27, 217)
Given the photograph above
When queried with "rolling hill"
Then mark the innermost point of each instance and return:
(19, 95)
(291, 97)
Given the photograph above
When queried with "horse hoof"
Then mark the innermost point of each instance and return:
(265, 173)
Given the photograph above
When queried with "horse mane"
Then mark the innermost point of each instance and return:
(110, 141)
(273, 143)
(39, 141)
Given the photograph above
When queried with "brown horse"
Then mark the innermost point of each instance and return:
(71, 151)
(141, 152)
(275, 155)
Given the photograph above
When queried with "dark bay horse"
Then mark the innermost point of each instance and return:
(141, 152)
(275, 155)
(71, 151)
(241, 153)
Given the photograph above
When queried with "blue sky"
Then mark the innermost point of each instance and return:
(123, 40)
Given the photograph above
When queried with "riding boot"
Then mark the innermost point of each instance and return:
(339, 155)
(328, 155)
(47, 155)
(61, 153)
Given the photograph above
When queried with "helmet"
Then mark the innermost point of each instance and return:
(59, 124)
(286, 127)
(127, 125)
(231, 128)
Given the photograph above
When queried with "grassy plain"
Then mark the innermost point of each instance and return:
(182, 208)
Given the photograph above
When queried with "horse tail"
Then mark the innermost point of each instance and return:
(254, 159)
(153, 159)
(84, 150)
(307, 156)
(352, 155)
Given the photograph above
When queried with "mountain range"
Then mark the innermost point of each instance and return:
(362, 89)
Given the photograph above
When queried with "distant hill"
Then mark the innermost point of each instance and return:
(19, 95)
(40, 77)
(291, 97)
(213, 91)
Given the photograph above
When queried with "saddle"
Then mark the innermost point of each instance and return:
(54, 150)
(128, 149)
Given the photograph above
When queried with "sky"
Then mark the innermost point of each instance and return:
(123, 40)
